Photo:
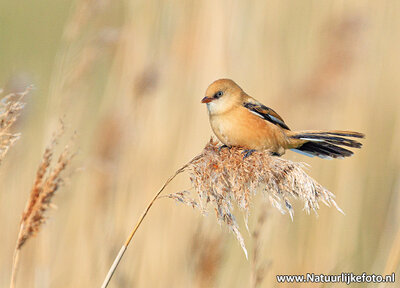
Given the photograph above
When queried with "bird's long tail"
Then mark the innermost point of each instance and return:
(325, 144)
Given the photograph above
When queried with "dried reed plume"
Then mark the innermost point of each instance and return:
(221, 178)
(48, 181)
(10, 109)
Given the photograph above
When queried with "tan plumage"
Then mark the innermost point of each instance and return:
(239, 120)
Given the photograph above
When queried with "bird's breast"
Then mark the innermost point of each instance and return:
(239, 127)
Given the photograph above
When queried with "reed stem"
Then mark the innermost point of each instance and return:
(15, 261)
(125, 246)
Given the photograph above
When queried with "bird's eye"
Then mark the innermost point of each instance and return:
(218, 94)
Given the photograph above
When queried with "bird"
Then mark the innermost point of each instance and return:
(238, 120)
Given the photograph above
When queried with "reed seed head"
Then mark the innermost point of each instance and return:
(10, 108)
(47, 182)
(221, 178)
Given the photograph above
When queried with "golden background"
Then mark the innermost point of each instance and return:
(128, 77)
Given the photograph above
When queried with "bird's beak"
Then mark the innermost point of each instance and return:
(206, 100)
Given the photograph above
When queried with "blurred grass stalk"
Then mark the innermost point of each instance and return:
(48, 181)
(10, 109)
(125, 246)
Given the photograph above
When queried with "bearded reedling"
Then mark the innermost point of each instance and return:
(240, 120)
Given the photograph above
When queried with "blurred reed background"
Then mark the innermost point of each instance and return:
(128, 76)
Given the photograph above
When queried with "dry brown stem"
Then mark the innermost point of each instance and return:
(125, 246)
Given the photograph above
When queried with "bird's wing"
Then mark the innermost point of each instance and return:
(264, 112)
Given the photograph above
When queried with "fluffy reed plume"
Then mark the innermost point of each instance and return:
(48, 181)
(221, 178)
(10, 109)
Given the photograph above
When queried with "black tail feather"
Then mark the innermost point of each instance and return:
(331, 139)
(324, 144)
(324, 150)
(344, 133)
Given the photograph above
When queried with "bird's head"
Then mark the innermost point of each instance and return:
(221, 96)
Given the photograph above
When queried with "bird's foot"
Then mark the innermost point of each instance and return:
(222, 147)
(247, 153)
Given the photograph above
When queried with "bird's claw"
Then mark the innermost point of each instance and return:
(222, 147)
(247, 153)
